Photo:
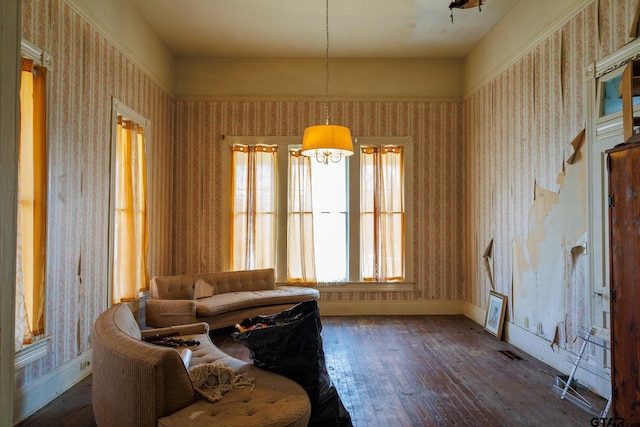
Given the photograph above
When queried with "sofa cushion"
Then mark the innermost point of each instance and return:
(175, 287)
(242, 280)
(274, 401)
(122, 319)
(203, 289)
(183, 286)
(222, 303)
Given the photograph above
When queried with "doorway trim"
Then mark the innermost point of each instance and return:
(600, 129)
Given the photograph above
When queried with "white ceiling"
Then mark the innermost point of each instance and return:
(297, 28)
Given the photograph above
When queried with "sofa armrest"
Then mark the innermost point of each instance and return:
(192, 329)
(162, 313)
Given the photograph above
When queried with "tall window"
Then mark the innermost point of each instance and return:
(130, 239)
(32, 206)
(253, 209)
(343, 222)
(382, 213)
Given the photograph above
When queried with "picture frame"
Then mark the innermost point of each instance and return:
(496, 308)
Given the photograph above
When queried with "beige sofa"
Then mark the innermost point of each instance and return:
(139, 384)
(221, 298)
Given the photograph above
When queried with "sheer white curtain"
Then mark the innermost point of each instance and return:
(301, 266)
(253, 207)
(382, 213)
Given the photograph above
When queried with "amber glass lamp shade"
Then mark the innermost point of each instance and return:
(327, 142)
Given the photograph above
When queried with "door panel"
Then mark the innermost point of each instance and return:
(624, 214)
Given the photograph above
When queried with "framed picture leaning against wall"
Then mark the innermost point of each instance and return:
(495, 314)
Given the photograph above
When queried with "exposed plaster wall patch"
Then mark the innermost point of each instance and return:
(549, 269)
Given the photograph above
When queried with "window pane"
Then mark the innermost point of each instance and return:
(330, 220)
(611, 101)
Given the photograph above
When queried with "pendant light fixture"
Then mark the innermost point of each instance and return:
(327, 142)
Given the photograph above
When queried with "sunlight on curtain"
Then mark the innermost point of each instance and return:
(32, 206)
(253, 215)
(382, 213)
(301, 266)
(142, 228)
(130, 273)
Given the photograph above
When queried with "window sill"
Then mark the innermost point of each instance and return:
(367, 287)
(32, 352)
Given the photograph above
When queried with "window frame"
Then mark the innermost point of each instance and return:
(609, 124)
(354, 219)
(285, 143)
(120, 109)
(39, 348)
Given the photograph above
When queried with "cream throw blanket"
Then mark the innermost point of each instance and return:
(212, 380)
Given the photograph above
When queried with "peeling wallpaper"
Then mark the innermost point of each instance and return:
(87, 71)
(549, 275)
(518, 133)
(476, 167)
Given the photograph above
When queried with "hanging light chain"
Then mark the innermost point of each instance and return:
(326, 84)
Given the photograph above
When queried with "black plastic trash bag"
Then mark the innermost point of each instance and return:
(290, 344)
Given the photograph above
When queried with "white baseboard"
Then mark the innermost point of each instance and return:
(538, 347)
(391, 308)
(474, 313)
(526, 341)
(36, 395)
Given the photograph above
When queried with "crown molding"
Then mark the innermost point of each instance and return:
(155, 77)
(526, 48)
(275, 98)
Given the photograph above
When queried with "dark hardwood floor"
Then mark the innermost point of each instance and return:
(404, 371)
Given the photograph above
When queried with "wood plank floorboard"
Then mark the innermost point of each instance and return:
(404, 371)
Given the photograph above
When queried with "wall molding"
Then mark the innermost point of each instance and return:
(525, 49)
(310, 98)
(42, 391)
(84, 13)
(536, 345)
(619, 58)
(475, 313)
(32, 352)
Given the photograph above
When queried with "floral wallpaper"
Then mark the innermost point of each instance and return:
(86, 73)
(438, 177)
(518, 133)
(476, 163)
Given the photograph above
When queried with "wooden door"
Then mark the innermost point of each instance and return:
(624, 217)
